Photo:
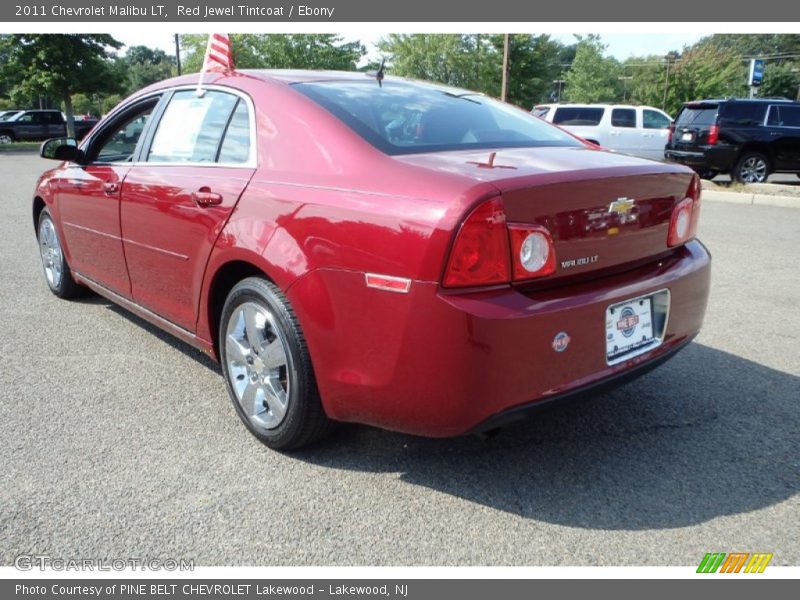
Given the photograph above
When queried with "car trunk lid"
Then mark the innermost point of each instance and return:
(604, 211)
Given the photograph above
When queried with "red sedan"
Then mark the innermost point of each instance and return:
(406, 255)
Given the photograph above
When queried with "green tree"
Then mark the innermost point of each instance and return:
(533, 64)
(706, 72)
(141, 66)
(466, 61)
(109, 102)
(84, 104)
(59, 65)
(279, 51)
(592, 76)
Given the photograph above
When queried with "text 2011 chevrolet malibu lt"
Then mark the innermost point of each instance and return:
(406, 255)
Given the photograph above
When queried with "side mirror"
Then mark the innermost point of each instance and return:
(61, 149)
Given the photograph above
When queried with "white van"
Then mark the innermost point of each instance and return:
(638, 130)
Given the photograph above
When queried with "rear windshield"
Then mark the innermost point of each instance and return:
(697, 116)
(577, 115)
(407, 118)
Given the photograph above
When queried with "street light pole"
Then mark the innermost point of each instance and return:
(504, 84)
(625, 81)
(178, 52)
(798, 85)
(559, 82)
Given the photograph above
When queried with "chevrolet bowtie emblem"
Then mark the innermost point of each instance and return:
(621, 206)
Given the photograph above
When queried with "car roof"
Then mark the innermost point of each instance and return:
(595, 105)
(753, 100)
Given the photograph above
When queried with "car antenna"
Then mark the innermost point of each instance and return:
(379, 73)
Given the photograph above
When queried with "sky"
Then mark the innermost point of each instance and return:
(620, 45)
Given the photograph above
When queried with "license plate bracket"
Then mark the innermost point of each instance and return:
(631, 328)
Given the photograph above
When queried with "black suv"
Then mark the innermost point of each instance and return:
(747, 138)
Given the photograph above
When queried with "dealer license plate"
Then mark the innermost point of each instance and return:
(687, 137)
(629, 328)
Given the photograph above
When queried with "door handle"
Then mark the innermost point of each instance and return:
(109, 187)
(205, 197)
(775, 133)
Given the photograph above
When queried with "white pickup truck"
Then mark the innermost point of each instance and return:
(637, 130)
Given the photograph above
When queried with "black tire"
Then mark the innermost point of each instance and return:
(750, 163)
(304, 421)
(64, 286)
(7, 135)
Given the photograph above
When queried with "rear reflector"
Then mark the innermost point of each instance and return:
(401, 285)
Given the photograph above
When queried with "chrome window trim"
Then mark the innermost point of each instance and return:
(252, 160)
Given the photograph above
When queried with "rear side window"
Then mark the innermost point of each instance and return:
(784, 116)
(191, 128)
(623, 117)
(578, 115)
(737, 114)
(697, 116)
(652, 119)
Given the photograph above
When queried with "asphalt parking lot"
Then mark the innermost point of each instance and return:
(119, 441)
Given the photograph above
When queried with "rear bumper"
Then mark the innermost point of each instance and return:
(719, 158)
(518, 413)
(438, 363)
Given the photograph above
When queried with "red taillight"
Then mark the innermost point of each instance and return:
(488, 252)
(713, 135)
(532, 251)
(685, 216)
(480, 252)
(671, 132)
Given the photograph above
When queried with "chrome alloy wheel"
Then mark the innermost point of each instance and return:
(52, 256)
(753, 170)
(258, 364)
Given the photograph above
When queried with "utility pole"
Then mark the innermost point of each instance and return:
(625, 81)
(798, 85)
(178, 52)
(559, 82)
(504, 84)
(666, 82)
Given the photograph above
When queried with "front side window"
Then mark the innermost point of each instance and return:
(623, 117)
(784, 116)
(28, 118)
(406, 118)
(121, 140)
(192, 128)
(652, 119)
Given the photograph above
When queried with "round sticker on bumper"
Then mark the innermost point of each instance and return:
(561, 341)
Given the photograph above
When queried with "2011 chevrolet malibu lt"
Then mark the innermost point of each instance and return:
(401, 254)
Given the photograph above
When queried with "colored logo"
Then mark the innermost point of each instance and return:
(735, 562)
(621, 206)
(628, 321)
(561, 341)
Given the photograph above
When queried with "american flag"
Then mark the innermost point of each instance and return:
(218, 53)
